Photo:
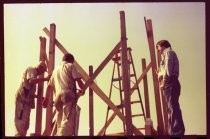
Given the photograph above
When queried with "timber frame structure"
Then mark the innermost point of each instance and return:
(93, 87)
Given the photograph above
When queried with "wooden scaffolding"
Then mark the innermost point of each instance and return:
(93, 87)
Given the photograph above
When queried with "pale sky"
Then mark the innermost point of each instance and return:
(90, 31)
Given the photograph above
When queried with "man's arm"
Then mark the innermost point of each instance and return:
(168, 69)
(47, 95)
(81, 85)
(38, 80)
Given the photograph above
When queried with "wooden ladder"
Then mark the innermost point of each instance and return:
(116, 82)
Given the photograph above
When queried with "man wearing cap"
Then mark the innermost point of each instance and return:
(63, 82)
(24, 101)
(168, 74)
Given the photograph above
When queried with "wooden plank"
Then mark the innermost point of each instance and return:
(160, 126)
(38, 123)
(49, 110)
(101, 132)
(91, 110)
(94, 86)
(125, 76)
(146, 93)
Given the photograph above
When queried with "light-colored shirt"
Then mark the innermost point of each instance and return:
(169, 65)
(63, 78)
(29, 73)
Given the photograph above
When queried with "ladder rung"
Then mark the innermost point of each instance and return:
(132, 102)
(116, 59)
(135, 115)
(120, 78)
(132, 75)
(116, 79)
(141, 128)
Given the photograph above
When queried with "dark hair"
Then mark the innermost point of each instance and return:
(163, 43)
(68, 58)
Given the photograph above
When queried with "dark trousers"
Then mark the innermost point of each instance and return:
(175, 121)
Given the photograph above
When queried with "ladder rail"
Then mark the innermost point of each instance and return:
(107, 114)
(121, 99)
(132, 63)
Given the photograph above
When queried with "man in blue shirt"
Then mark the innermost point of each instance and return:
(168, 74)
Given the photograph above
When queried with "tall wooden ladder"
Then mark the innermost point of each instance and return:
(136, 101)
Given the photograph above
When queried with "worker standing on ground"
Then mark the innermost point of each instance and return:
(25, 97)
(63, 82)
(168, 74)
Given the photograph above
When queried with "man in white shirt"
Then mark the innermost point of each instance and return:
(63, 82)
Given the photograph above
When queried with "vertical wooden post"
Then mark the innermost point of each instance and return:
(49, 109)
(125, 76)
(38, 124)
(146, 95)
(148, 121)
(91, 115)
(160, 128)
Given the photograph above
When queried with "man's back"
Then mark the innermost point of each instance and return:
(63, 78)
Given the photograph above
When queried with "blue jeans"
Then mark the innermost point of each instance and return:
(175, 121)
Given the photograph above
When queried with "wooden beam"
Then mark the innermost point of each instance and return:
(91, 110)
(101, 132)
(125, 75)
(49, 110)
(149, 31)
(146, 93)
(94, 86)
(38, 123)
